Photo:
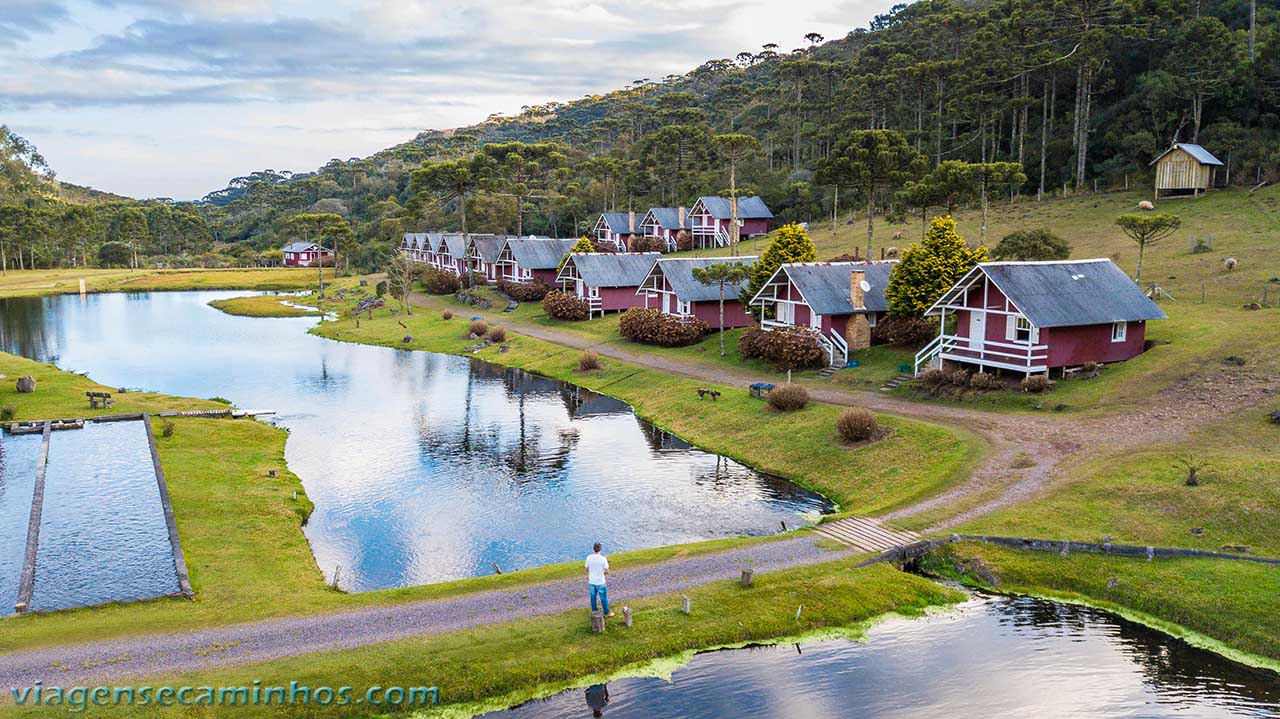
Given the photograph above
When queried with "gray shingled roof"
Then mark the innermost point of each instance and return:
(668, 218)
(413, 240)
(620, 222)
(1199, 153)
(456, 246)
(539, 254)
(749, 208)
(1071, 293)
(297, 246)
(622, 269)
(678, 272)
(433, 241)
(826, 289)
(487, 247)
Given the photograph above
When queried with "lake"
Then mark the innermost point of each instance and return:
(423, 467)
(993, 657)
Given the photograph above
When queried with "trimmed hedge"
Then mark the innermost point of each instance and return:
(439, 282)
(644, 243)
(565, 306)
(787, 398)
(653, 327)
(524, 291)
(904, 331)
(857, 425)
(791, 348)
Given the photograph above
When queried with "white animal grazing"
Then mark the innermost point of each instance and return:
(1146, 205)
(891, 252)
(1231, 263)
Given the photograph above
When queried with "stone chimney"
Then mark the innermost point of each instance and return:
(858, 330)
(681, 210)
(856, 295)
(631, 221)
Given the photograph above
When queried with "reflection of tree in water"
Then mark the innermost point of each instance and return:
(27, 327)
(465, 440)
(1166, 662)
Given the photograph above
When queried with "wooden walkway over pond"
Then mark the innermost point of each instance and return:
(866, 534)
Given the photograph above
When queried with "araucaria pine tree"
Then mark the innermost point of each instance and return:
(790, 244)
(927, 270)
(582, 245)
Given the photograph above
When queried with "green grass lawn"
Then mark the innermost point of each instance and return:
(264, 306)
(497, 665)
(60, 394)
(1228, 607)
(20, 283)
(1142, 498)
(916, 460)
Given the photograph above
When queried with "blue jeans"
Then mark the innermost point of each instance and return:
(601, 591)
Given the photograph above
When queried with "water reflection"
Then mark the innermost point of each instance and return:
(422, 467)
(995, 657)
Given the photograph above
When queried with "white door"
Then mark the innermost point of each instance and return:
(815, 321)
(666, 302)
(787, 313)
(977, 329)
(581, 289)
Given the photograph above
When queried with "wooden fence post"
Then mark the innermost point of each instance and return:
(746, 577)
(686, 606)
(597, 621)
(626, 616)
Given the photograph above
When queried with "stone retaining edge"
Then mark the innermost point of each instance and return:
(27, 581)
(179, 559)
(915, 550)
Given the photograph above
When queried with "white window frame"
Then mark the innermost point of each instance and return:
(683, 308)
(1119, 331)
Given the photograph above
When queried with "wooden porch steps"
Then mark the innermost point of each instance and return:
(511, 307)
(866, 534)
(893, 383)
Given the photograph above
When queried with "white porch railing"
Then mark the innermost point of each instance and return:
(594, 306)
(1015, 356)
(833, 344)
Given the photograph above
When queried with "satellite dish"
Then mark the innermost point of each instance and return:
(866, 286)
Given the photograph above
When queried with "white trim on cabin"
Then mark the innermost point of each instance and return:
(1119, 331)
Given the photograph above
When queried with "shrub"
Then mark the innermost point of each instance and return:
(439, 282)
(645, 243)
(524, 291)
(8, 412)
(1038, 244)
(380, 289)
(788, 398)
(1193, 466)
(447, 315)
(983, 381)
(588, 361)
(565, 306)
(904, 331)
(791, 348)
(652, 327)
(857, 425)
(166, 428)
(498, 334)
(479, 328)
(958, 377)
(753, 343)
(933, 377)
(1035, 384)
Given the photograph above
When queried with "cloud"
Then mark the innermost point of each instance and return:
(23, 18)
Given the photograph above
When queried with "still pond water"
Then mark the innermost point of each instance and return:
(994, 657)
(422, 467)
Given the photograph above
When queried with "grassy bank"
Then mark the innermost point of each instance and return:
(25, 283)
(917, 459)
(1227, 607)
(264, 306)
(500, 664)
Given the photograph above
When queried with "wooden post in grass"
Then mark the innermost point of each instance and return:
(626, 616)
(597, 621)
(746, 577)
(685, 605)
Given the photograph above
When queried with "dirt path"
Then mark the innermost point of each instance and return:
(1024, 450)
(81, 664)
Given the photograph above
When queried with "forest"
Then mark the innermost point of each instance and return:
(1030, 99)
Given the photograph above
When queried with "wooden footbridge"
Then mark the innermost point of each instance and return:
(866, 534)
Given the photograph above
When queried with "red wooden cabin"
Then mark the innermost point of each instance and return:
(671, 287)
(607, 281)
(709, 220)
(1034, 317)
(304, 254)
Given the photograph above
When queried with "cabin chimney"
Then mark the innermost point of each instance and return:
(681, 211)
(858, 330)
(631, 221)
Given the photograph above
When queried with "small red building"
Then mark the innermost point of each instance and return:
(414, 246)
(839, 301)
(1034, 317)
(482, 255)
(671, 287)
(529, 259)
(607, 280)
(709, 220)
(613, 231)
(304, 254)
(668, 224)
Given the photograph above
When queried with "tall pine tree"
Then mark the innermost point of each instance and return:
(928, 269)
(790, 244)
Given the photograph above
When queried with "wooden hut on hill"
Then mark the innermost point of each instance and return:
(1185, 169)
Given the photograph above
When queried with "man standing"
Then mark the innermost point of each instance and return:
(597, 567)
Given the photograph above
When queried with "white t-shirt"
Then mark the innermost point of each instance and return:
(596, 564)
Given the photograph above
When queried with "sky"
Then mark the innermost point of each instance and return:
(163, 98)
